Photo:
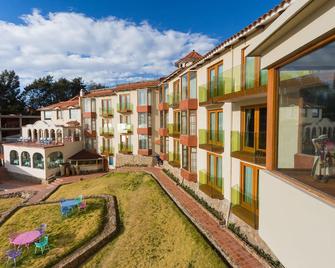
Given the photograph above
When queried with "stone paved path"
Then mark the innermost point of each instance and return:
(228, 243)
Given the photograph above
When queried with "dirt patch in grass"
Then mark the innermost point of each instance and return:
(65, 234)
(154, 233)
(8, 203)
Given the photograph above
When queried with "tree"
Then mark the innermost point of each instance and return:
(10, 101)
(45, 91)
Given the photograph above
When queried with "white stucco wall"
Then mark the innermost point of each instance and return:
(298, 227)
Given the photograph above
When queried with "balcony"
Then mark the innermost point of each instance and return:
(208, 188)
(188, 104)
(125, 148)
(125, 128)
(174, 130)
(174, 159)
(250, 154)
(144, 130)
(174, 100)
(163, 106)
(163, 132)
(106, 150)
(189, 140)
(106, 132)
(244, 206)
(232, 85)
(125, 107)
(211, 140)
(106, 112)
(188, 175)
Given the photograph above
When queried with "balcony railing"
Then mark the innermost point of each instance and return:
(125, 148)
(249, 146)
(106, 112)
(174, 100)
(106, 150)
(207, 185)
(125, 128)
(106, 132)
(125, 107)
(231, 82)
(245, 206)
(211, 140)
(174, 130)
(174, 159)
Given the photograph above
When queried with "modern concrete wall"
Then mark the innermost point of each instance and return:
(298, 227)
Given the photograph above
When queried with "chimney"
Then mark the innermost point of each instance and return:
(82, 93)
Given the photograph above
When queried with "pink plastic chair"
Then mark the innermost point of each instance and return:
(82, 205)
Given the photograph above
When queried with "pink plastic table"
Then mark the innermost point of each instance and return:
(26, 238)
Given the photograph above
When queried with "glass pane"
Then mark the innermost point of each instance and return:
(193, 85)
(220, 81)
(212, 126)
(306, 116)
(219, 172)
(212, 83)
(247, 185)
(262, 129)
(184, 87)
(220, 126)
(211, 169)
(249, 127)
(250, 72)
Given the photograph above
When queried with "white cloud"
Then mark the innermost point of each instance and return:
(107, 50)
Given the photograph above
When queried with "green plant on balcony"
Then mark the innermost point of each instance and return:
(106, 112)
(107, 150)
(124, 107)
(125, 148)
(107, 132)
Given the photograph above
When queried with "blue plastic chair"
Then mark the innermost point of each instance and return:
(13, 254)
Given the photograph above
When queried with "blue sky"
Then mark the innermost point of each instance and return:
(114, 41)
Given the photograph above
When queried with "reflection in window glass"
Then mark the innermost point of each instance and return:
(306, 114)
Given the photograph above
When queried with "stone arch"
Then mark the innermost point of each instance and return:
(14, 158)
(25, 159)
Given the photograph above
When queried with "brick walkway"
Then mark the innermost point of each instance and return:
(235, 251)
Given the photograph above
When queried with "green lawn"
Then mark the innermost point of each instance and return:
(154, 234)
(64, 234)
(8, 203)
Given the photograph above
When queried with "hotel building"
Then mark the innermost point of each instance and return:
(248, 126)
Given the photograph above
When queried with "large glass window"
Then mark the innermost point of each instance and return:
(306, 115)
(215, 171)
(215, 80)
(14, 158)
(38, 161)
(189, 86)
(142, 96)
(189, 158)
(184, 86)
(216, 135)
(25, 159)
(54, 160)
(74, 113)
(47, 115)
(144, 142)
(184, 123)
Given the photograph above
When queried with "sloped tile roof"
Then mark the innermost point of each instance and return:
(74, 102)
(85, 155)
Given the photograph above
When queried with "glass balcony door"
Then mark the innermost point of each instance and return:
(249, 187)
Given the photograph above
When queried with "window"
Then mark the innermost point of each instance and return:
(252, 76)
(189, 157)
(307, 83)
(25, 159)
(254, 128)
(144, 120)
(144, 142)
(54, 160)
(47, 115)
(215, 80)
(74, 113)
(164, 144)
(214, 163)
(142, 97)
(176, 93)
(59, 114)
(125, 119)
(90, 144)
(124, 102)
(184, 123)
(14, 158)
(87, 105)
(38, 161)
(189, 86)
(163, 93)
(163, 119)
(249, 187)
(176, 121)
(215, 126)
(193, 122)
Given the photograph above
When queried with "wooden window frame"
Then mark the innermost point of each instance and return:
(188, 90)
(257, 70)
(214, 67)
(175, 122)
(255, 180)
(176, 92)
(216, 111)
(215, 185)
(256, 128)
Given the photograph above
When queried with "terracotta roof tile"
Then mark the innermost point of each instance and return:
(74, 102)
(122, 87)
(85, 155)
(192, 56)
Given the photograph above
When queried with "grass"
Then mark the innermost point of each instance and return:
(8, 203)
(154, 233)
(65, 235)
